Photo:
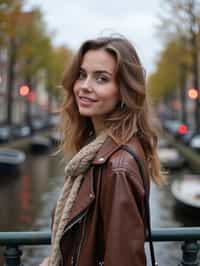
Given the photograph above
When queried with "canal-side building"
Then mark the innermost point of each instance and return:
(3, 82)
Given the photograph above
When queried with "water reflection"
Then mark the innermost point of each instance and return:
(165, 210)
(21, 196)
(165, 213)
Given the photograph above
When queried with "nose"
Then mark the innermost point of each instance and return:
(87, 84)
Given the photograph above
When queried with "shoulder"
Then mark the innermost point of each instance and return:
(114, 158)
(119, 170)
(121, 160)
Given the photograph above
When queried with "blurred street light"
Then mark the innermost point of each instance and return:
(193, 94)
(24, 90)
(183, 129)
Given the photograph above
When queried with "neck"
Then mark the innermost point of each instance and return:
(98, 125)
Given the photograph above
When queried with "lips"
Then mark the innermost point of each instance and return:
(86, 99)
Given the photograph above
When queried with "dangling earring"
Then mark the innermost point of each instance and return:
(122, 105)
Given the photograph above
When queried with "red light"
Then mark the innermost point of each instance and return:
(183, 129)
(193, 94)
(24, 90)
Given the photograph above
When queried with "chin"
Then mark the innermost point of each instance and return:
(85, 114)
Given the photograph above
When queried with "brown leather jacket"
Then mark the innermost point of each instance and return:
(106, 225)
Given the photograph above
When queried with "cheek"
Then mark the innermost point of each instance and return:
(115, 95)
(75, 90)
(110, 92)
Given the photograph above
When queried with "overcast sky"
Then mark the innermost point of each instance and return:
(77, 20)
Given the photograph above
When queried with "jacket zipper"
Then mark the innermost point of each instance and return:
(81, 240)
(78, 219)
(61, 257)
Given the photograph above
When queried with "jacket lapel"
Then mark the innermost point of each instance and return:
(86, 193)
(85, 196)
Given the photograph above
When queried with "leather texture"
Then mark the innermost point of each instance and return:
(106, 225)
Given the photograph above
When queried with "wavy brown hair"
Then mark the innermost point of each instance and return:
(130, 118)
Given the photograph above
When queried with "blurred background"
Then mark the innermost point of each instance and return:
(37, 41)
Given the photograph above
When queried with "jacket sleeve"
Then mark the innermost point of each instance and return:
(122, 208)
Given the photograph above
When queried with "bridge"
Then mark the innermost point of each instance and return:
(189, 236)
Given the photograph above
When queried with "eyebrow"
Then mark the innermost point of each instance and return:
(98, 71)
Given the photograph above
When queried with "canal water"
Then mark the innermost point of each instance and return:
(26, 202)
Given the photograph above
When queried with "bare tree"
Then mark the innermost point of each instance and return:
(181, 21)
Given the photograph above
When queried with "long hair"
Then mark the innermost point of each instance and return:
(129, 118)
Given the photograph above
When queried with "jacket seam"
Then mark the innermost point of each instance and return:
(128, 172)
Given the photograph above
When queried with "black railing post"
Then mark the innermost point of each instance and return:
(190, 253)
(12, 256)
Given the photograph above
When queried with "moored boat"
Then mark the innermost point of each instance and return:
(186, 191)
(163, 143)
(170, 158)
(40, 144)
(11, 160)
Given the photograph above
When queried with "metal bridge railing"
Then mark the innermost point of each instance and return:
(13, 241)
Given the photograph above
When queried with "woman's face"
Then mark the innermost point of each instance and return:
(96, 91)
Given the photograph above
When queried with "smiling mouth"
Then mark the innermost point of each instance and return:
(86, 99)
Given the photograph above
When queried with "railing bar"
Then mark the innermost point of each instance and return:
(43, 238)
(176, 234)
(25, 238)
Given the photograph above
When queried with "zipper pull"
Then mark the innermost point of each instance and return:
(72, 260)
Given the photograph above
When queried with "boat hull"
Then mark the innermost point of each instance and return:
(11, 161)
(9, 169)
(171, 159)
(40, 145)
(186, 192)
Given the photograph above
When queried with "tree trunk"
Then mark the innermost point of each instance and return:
(195, 66)
(183, 72)
(10, 80)
(28, 102)
(197, 100)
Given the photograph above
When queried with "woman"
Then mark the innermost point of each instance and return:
(99, 217)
